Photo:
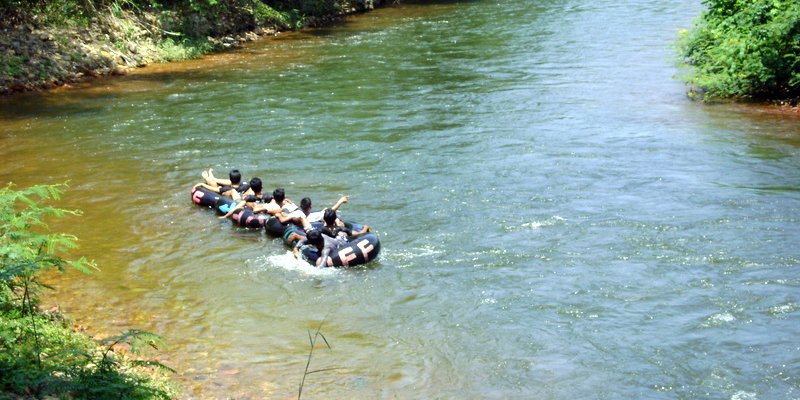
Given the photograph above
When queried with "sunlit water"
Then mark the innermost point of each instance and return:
(558, 220)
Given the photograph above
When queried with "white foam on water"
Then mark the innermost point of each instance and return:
(534, 224)
(720, 319)
(405, 257)
(783, 309)
(288, 262)
(540, 224)
(742, 395)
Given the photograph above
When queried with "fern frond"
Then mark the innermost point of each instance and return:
(152, 363)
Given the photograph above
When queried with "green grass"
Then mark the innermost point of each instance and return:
(42, 356)
(266, 15)
(171, 50)
(11, 65)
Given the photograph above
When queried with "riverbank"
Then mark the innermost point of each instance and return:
(44, 355)
(744, 51)
(37, 54)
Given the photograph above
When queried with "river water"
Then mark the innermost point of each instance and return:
(558, 220)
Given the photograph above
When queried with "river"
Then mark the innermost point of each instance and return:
(557, 219)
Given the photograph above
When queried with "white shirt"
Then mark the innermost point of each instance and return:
(315, 216)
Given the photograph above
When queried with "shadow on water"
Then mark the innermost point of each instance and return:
(86, 97)
(103, 92)
(26, 106)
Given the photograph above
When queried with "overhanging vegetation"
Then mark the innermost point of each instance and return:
(745, 49)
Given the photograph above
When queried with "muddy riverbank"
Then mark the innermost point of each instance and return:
(36, 55)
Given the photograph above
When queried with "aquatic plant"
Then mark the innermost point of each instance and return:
(313, 341)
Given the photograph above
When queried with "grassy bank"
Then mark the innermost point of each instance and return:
(46, 43)
(40, 354)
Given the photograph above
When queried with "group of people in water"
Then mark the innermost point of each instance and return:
(251, 207)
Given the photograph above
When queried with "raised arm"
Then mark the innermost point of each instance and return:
(339, 203)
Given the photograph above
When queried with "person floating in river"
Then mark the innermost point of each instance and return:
(285, 210)
(234, 179)
(324, 244)
(250, 199)
(313, 218)
(277, 205)
(232, 187)
(334, 227)
(246, 212)
(253, 194)
(316, 216)
(280, 203)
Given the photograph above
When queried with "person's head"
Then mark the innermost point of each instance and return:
(329, 216)
(278, 195)
(314, 238)
(256, 185)
(305, 204)
(235, 176)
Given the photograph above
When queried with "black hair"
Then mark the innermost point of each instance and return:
(256, 185)
(305, 204)
(329, 216)
(314, 238)
(235, 176)
(278, 195)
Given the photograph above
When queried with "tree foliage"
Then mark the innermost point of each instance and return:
(25, 251)
(283, 13)
(39, 354)
(746, 49)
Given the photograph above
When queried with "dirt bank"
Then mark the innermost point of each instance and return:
(34, 56)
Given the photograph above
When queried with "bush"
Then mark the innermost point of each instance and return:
(171, 50)
(745, 49)
(39, 354)
(47, 12)
(266, 15)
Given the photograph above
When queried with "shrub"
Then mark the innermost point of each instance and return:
(39, 354)
(745, 49)
(11, 65)
(266, 15)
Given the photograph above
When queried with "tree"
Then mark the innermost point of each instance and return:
(39, 354)
(25, 251)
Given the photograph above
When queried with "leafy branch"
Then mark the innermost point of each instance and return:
(41, 356)
(135, 339)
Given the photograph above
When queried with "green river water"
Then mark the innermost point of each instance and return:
(558, 220)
